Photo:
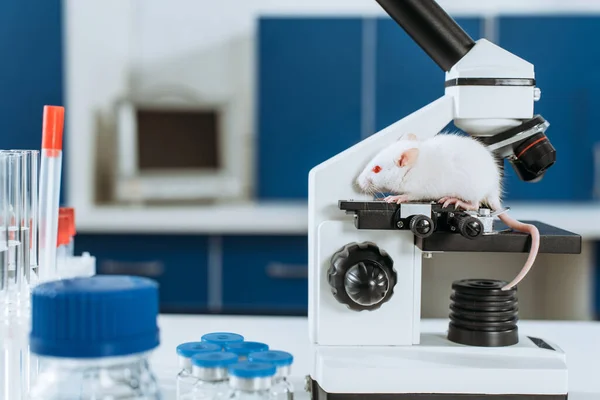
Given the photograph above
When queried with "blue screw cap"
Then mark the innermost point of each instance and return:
(99, 316)
(245, 348)
(190, 349)
(277, 358)
(249, 370)
(221, 359)
(222, 338)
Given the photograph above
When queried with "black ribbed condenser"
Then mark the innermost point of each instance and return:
(481, 314)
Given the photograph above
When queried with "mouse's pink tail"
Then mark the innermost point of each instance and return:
(535, 245)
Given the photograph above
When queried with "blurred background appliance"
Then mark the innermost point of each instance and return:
(178, 151)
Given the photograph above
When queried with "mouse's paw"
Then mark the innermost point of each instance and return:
(458, 203)
(397, 199)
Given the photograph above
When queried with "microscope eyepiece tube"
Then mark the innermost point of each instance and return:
(431, 28)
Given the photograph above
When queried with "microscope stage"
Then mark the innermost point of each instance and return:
(552, 240)
(438, 369)
(379, 215)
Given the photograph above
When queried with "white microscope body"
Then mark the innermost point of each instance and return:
(382, 353)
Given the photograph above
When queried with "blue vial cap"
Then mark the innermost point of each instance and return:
(277, 358)
(245, 348)
(249, 370)
(221, 359)
(222, 338)
(99, 316)
(189, 349)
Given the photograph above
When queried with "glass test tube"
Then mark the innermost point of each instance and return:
(14, 168)
(50, 173)
(30, 215)
(3, 233)
(18, 235)
(28, 361)
(12, 273)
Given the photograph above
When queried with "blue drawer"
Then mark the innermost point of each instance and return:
(265, 274)
(178, 263)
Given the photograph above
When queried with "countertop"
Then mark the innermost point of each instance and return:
(580, 341)
(291, 217)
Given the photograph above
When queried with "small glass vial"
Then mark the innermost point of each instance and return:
(282, 388)
(93, 337)
(210, 370)
(251, 381)
(222, 338)
(242, 349)
(185, 352)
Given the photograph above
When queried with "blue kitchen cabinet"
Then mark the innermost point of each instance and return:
(179, 263)
(309, 98)
(31, 68)
(265, 274)
(31, 71)
(406, 79)
(565, 72)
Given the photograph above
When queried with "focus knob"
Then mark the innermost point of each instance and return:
(467, 225)
(362, 276)
(470, 227)
(422, 226)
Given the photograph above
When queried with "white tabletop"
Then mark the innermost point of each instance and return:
(580, 341)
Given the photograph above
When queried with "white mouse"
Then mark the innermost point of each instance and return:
(449, 169)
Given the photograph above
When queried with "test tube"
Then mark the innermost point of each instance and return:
(30, 214)
(14, 164)
(50, 173)
(4, 181)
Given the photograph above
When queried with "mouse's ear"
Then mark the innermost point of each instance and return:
(407, 158)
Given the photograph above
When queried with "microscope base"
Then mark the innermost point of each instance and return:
(317, 393)
(438, 369)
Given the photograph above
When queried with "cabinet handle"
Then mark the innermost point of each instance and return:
(286, 271)
(149, 269)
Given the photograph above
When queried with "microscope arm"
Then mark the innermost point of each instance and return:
(333, 180)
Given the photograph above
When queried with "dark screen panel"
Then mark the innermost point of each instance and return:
(176, 140)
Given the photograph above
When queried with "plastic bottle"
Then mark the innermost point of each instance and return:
(185, 352)
(222, 338)
(242, 349)
(93, 337)
(210, 370)
(251, 381)
(282, 388)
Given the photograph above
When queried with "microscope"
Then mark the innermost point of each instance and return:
(365, 255)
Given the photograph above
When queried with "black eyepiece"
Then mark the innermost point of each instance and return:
(533, 156)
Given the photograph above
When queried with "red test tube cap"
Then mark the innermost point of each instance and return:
(64, 230)
(70, 211)
(52, 127)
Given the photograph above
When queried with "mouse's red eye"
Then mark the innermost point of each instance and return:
(376, 169)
